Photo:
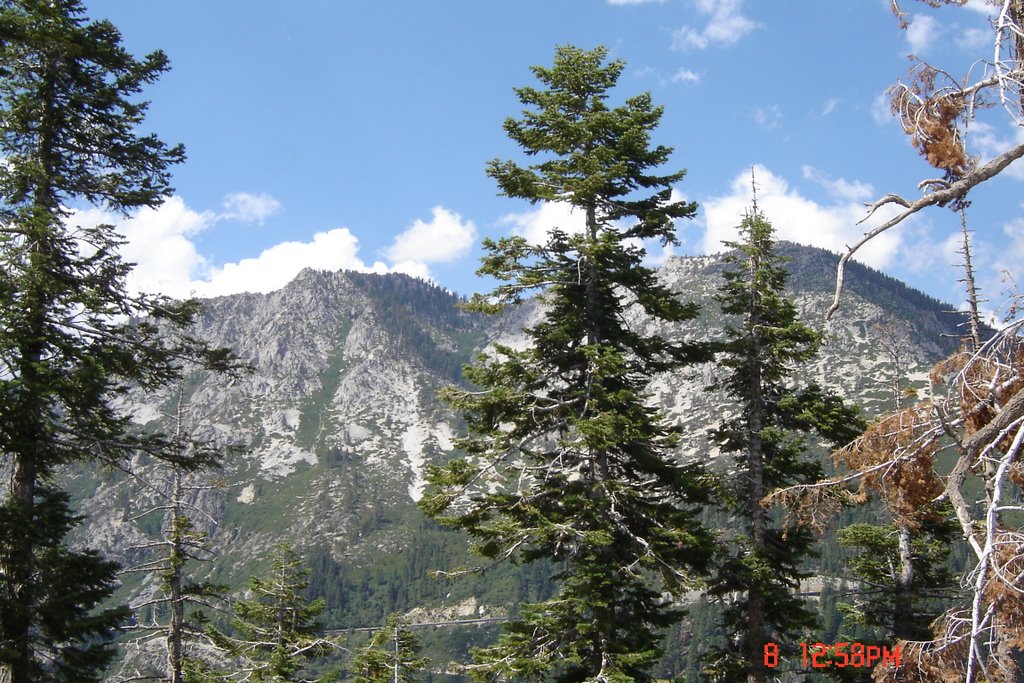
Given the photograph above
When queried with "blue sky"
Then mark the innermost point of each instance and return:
(342, 134)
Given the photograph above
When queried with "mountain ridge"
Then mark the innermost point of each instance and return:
(339, 420)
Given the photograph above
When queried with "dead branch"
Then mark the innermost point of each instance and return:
(955, 190)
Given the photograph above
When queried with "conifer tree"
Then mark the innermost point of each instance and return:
(763, 563)
(901, 610)
(176, 606)
(178, 595)
(565, 459)
(275, 632)
(68, 138)
(391, 656)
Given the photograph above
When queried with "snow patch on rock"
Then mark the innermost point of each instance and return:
(278, 458)
(144, 413)
(357, 433)
(247, 495)
(291, 418)
(444, 435)
(412, 443)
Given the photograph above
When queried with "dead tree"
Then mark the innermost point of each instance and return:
(982, 416)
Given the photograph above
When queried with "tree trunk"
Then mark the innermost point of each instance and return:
(397, 657)
(177, 560)
(28, 455)
(21, 569)
(903, 603)
(756, 636)
(1017, 16)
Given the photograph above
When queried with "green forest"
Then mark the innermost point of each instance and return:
(825, 541)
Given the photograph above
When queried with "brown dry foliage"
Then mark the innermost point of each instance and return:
(931, 120)
(944, 659)
(1016, 472)
(1005, 588)
(897, 454)
(925, 663)
(810, 507)
(930, 115)
(983, 385)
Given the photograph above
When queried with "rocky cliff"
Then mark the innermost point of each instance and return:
(331, 433)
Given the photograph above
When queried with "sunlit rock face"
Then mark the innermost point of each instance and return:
(332, 432)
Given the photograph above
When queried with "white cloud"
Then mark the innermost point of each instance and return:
(922, 32)
(277, 266)
(996, 266)
(880, 110)
(1010, 258)
(726, 25)
(413, 268)
(982, 7)
(840, 188)
(926, 252)
(535, 224)
(796, 218)
(656, 259)
(973, 39)
(160, 242)
(685, 76)
(686, 37)
(829, 106)
(249, 208)
(445, 238)
(984, 140)
(925, 246)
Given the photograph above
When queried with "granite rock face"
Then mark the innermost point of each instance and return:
(333, 430)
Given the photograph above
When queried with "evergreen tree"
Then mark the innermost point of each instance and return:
(391, 656)
(884, 600)
(276, 631)
(177, 595)
(178, 599)
(68, 136)
(565, 458)
(763, 562)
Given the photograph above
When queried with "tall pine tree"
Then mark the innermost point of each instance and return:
(68, 137)
(565, 458)
(275, 631)
(763, 563)
(391, 656)
(172, 612)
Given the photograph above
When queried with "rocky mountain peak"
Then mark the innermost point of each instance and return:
(340, 418)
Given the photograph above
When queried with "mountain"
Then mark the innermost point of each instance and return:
(853, 359)
(334, 428)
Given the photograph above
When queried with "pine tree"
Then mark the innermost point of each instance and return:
(275, 631)
(179, 598)
(764, 561)
(174, 617)
(565, 459)
(391, 656)
(68, 137)
(884, 600)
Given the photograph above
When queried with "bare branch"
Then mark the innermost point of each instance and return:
(956, 190)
